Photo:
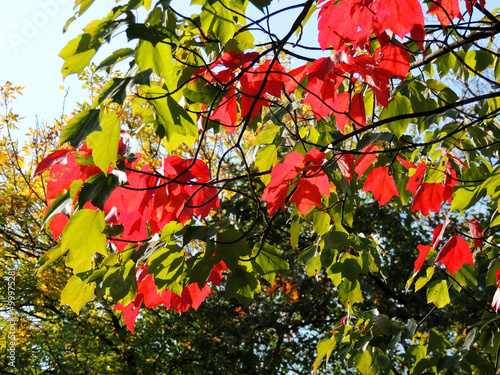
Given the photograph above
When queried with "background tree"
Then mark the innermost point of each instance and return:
(246, 150)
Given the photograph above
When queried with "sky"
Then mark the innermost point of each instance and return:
(31, 40)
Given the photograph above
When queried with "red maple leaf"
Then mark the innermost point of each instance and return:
(476, 232)
(309, 190)
(424, 250)
(454, 254)
(131, 311)
(428, 197)
(399, 16)
(445, 10)
(283, 174)
(363, 162)
(345, 163)
(405, 163)
(381, 184)
(416, 178)
(57, 225)
(438, 233)
(57, 157)
(395, 60)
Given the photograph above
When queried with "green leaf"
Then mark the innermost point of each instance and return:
(438, 293)
(399, 105)
(108, 63)
(438, 344)
(241, 285)
(80, 126)
(84, 236)
(269, 262)
(174, 124)
(203, 233)
(62, 204)
(492, 270)
(261, 4)
(50, 257)
(267, 135)
(321, 222)
(350, 292)
(217, 20)
(423, 280)
(168, 268)
(119, 88)
(324, 349)
(156, 57)
(230, 244)
(104, 143)
(120, 283)
(78, 53)
(97, 189)
(77, 293)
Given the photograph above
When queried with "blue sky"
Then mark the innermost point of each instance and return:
(31, 40)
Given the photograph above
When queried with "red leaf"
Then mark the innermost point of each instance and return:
(428, 197)
(364, 160)
(399, 16)
(57, 225)
(309, 190)
(476, 232)
(454, 254)
(345, 163)
(58, 157)
(416, 178)
(424, 250)
(349, 21)
(226, 112)
(405, 163)
(131, 311)
(395, 60)
(381, 184)
(439, 233)
(445, 10)
(275, 196)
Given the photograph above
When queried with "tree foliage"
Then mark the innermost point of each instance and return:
(240, 170)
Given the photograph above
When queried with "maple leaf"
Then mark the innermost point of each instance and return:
(424, 250)
(345, 163)
(454, 254)
(354, 109)
(416, 178)
(438, 233)
(57, 225)
(395, 60)
(349, 21)
(406, 163)
(381, 184)
(282, 174)
(57, 157)
(399, 16)
(476, 232)
(309, 190)
(364, 160)
(226, 111)
(428, 197)
(445, 10)
(131, 311)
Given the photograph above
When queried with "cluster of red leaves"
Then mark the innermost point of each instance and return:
(152, 197)
(147, 293)
(311, 184)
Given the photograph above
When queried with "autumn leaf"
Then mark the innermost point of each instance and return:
(454, 254)
(476, 232)
(428, 197)
(424, 250)
(417, 177)
(381, 184)
(445, 10)
(363, 162)
(58, 157)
